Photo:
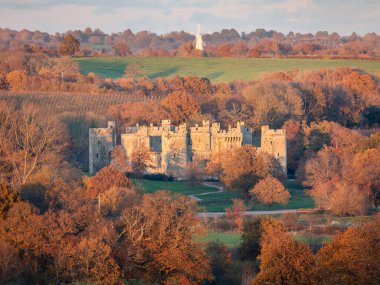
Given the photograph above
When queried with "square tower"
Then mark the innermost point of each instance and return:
(274, 143)
(101, 143)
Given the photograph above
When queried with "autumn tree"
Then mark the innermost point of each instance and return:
(186, 49)
(243, 167)
(91, 260)
(270, 191)
(121, 49)
(156, 240)
(274, 102)
(294, 144)
(10, 263)
(66, 69)
(133, 70)
(252, 234)
(236, 213)
(351, 258)
(16, 80)
(8, 197)
(225, 50)
(140, 159)
(133, 113)
(106, 178)
(116, 199)
(283, 260)
(29, 139)
(69, 45)
(181, 106)
(342, 179)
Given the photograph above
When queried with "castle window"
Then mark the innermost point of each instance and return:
(278, 154)
(98, 142)
(97, 155)
(270, 142)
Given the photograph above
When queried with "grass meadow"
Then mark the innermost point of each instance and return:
(216, 69)
(218, 202)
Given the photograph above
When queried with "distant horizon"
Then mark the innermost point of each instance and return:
(163, 16)
(190, 32)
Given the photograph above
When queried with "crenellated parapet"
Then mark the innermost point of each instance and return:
(172, 147)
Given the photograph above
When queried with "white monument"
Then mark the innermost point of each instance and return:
(198, 42)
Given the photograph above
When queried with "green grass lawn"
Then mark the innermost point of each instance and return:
(218, 202)
(216, 69)
(231, 240)
(151, 186)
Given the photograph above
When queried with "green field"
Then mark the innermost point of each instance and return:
(216, 69)
(151, 186)
(218, 202)
(231, 240)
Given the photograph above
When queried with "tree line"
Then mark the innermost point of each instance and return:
(226, 43)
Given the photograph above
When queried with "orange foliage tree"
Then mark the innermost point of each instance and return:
(270, 191)
(17, 80)
(351, 258)
(69, 45)
(156, 240)
(181, 106)
(140, 159)
(243, 167)
(108, 177)
(283, 260)
(236, 213)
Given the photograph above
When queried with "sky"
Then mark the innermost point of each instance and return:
(163, 16)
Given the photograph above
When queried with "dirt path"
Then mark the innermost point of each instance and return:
(209, 184)
(247, 213)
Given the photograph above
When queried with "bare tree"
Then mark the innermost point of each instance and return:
(28, 139)
(193, 173)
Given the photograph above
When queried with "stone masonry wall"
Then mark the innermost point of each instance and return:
(101, 143)
(171, 148)
(274, 143)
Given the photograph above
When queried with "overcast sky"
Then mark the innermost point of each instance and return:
(163, 16)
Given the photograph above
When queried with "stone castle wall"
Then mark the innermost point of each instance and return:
(101, 143)
(171, 148)
(274, 143)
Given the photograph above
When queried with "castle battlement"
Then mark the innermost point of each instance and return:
(172, 147)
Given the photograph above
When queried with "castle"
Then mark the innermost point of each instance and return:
(172, 147)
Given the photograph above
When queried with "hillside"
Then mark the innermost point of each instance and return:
(216, 69)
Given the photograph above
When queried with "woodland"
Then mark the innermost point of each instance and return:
(60, 225)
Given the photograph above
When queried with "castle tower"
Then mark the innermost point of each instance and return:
(200, 141)
(274, 143)
(101, 143)
(175, 151)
